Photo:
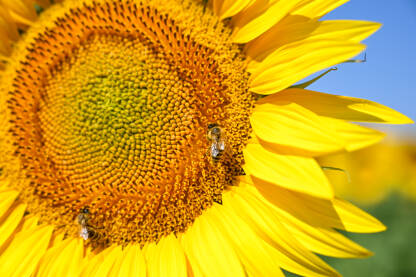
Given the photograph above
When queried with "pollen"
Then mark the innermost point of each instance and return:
(109, 105)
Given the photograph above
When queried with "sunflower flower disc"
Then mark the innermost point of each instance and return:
(167, 138)
(110, 112)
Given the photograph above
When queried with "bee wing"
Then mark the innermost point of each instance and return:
(215, 149)
(221, 145)
(83, 233)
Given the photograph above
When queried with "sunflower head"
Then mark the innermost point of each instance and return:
(111, 110)
(149, 132)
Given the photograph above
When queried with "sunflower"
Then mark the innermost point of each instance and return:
(408, 185)
(167, 137)
(369, 184)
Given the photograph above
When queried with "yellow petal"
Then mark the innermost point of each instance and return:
(7, 198)
(5, 48)
(317, 8)
(340, 107)
(291, 30)
(90, 258)
(232, 7)
(292, 172)
(7, 25)
(103, 268)
(216, 6)
(64, 259)
(291, 125)
(255, 254)
(131, 263)
(355, 219)
(260, 24)
(355, 136)
(325, 241)
(166, 258)
(317, 211)
(56, 238)
(298, 60)
(319, 240)
(289, 253)
(43, 3)
(208, 251)
(8, 33)
(12, 221)
(30, 222)
(90, 261)
(22, 11)
(25, 251)
(390, 115)
(254, 9)
(100, 264)
(48, 258)
(351, 30)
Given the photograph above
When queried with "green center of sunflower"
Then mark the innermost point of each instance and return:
(111, 104)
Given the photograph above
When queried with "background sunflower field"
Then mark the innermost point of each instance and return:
(387, 76)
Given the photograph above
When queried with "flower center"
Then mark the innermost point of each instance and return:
(111, 104)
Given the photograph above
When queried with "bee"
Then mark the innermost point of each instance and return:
(216, 136)
(87, 231)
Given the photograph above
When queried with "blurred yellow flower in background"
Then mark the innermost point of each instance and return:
(375, 172)
(407, 183)
(166, 138)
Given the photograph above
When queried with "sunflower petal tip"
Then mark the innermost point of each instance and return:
(377, 26)
(381, 226)
(368, 254)
(409, 120)
(400, 118)
(386, 114)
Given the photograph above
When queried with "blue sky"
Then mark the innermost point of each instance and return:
(389, 75)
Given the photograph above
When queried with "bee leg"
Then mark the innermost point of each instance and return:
(218, 199)
(209, 155)
(94, 227)
(206, 154)
(205, 5)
